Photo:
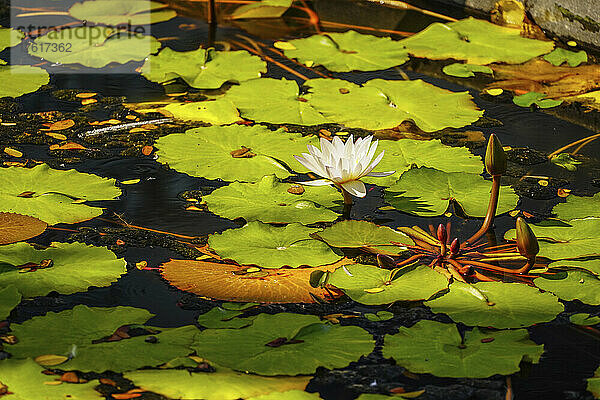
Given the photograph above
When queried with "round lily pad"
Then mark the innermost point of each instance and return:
(465, 70)
(427, 192)
(93, 47)
(572, 285)
(437, 348)
(220, 318)
(236, 152)
(404, 154)
(276, 101)
(511, 305)
(272, 201)
(578, 207)
(10, 37)
(577, 239)
(9, 298)
(527, 99)
(584, 319)
(74, 268)
(24, 380)
(223, 384)
(272, 247)
(262, 9)
(85, 326)
(347, 51)
(203, 68)
(284, 344)
(476, 41)
(592, 265)
(116, 12)
(217, 112)
(17, 227)
(21, 79)
(368, 284)
(365, 235)
(52, 195)
(381, 104)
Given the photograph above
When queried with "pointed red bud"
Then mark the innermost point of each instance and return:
(442, 234)
(495, 158)
(455, 246)
(527, 243)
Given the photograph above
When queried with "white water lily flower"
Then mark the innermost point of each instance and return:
(343, 164)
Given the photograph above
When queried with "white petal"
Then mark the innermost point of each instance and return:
(312, 163)
(373, 164)
(380, 174)
(355, 188)
(338, 146)
(318, 182)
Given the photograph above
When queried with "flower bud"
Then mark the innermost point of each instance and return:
(527, 243)
(442, 234)
(455, 246)
(495, 158)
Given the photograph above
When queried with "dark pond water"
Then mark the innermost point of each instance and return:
(571, 354)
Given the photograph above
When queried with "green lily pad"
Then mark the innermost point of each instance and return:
(276, 101)
(10, 37)
(572, 58)
(512, 305)
(207, 152)
(289, 395)
(476, 42)
(427, 192)
(527, 99)
(21, 79)
(366, 235)
(269, 201)
(370, 285)
(578, 239)
(402, 155)
(572, 285)
(347, 51)
(116, 12)
(465, 70)
(381, 104)
(203, 69)
(217, 112)
(566, 161)
(593, 385)
(262, 9)
(272, 247)
(578, 207)
(75, 267)
(83, 325)
(219, 318)
(436, 348)
(9, 298)
(592, 265)
(93, 47)
(25, 381)
(380, 316)
(255, 349)
(52, 195)
(584, 319)
(223, 384)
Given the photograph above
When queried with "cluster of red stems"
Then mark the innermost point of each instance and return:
(471, 260)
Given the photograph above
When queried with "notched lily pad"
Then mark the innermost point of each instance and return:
(116, 12)
(365, 235)
(428, 192)
(203, 68)
(381, 104)
(217, 112)
(220, 318)
(559, 56)
(496, 304)
(9, 298)
(438, 349)
(272, 201)
(54, 196)
(10, 37)
(370, 285)
(284, 344)
(578, 207)
(207, 152)
(272, 247)
(465, 70)
(21, 79)
(262, 9)
(17, 227)
(572, 285)
(476, 41)
(347, 51)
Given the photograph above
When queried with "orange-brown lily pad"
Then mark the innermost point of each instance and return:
(247, 284)
(16, 227)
